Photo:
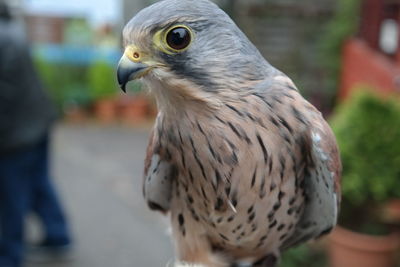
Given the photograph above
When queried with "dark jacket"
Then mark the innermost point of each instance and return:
(25, 111)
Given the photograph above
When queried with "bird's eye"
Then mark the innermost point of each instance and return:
(179, 38)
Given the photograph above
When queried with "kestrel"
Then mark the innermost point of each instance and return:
(244, 166)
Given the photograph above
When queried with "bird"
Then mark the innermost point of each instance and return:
(240, 162)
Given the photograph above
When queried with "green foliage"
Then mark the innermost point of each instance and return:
(303, 256)
(65, 83)
(76, 94)
(78, 32)
(367, 129)
(79, 85)
(343, 25)
(101, 80)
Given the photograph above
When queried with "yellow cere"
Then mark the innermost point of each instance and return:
(132, 52)
(160, 39)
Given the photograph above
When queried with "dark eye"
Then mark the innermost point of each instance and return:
(178, 38)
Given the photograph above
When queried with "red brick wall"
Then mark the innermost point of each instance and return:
(42, 29)
(365, 66)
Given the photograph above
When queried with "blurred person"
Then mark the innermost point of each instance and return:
(26, 116)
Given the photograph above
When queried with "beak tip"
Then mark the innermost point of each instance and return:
(123, 87)
(127, 71)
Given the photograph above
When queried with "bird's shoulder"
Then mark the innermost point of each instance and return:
(310, 131)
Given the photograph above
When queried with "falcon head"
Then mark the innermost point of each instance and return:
(190, 47)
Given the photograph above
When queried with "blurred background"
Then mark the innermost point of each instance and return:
(343, 55)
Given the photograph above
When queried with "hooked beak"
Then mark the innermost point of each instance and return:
(129, 70)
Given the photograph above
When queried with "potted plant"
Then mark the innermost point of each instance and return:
(76, 100)
(367, 129)
(103, 89)
(135, 106)
(391, 212)
(306, 255)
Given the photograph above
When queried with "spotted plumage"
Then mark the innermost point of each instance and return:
(244, 166)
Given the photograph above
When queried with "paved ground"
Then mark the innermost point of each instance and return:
(98, 173)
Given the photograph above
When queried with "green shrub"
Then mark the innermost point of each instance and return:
(367, 128)
(66, 83)
(101, 80)
(342, 26)
(303, 256)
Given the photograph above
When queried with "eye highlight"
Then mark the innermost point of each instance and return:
(178, 38)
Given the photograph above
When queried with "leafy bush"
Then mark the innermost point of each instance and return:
(101, 80)
(343, 25)
(367, 129)
(303, 256)
(79, 85)
(67, 84)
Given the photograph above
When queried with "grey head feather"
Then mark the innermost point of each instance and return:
(220, 57)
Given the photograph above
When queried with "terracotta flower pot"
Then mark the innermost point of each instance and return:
(351, 249)
(75, 115)
(135, 110)
(105, 110)
(391, 212)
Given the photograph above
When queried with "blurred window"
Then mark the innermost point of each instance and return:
(389, 36)
(380, 25)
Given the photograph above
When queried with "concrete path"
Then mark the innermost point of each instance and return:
(98, 172)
